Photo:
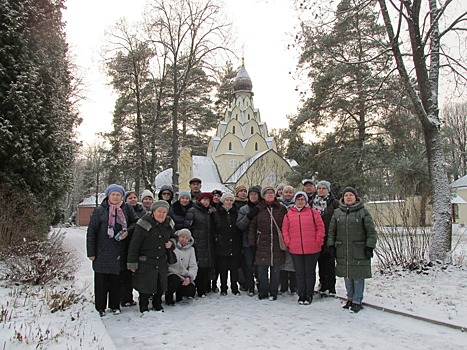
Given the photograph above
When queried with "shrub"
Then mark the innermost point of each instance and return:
(22, 217)
(39, 261)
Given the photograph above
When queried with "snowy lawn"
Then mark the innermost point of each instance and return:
(242, 321)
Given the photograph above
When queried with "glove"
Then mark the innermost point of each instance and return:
(252, 213)
(368, 252)
(332, 251)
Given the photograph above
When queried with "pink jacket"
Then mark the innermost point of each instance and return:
(303, 231)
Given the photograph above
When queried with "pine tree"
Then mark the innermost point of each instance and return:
(36, 116)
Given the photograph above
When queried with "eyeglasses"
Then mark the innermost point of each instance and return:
(166, 193)
(300, 199)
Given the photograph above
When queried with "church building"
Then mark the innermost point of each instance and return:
(241, 151)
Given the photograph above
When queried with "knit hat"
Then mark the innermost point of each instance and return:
(127, 193)
(114, 188)
(239, 188)
(305, 181)
(325, 183)
(147, 193)
(280, 187)
(351, 190)
(184, 232)
(158, 204)
(288, 187)
(195, 179)
(263, 191)
(218, 192)
(300, 193)
(255, 188)
(184, 193)
(205, 195)
(227, 195)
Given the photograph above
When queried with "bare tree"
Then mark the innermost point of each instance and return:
(427, 25)
(190, 34)
(455, 119)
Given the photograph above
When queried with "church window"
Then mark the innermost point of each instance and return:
(248, 116)
(233, 129)
(230, 146)
(252, 130)
(256, 146)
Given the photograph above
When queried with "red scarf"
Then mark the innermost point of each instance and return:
(116, 215)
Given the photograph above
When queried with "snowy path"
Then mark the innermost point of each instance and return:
(244, 322)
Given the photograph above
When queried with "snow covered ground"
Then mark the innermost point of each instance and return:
(242, 321)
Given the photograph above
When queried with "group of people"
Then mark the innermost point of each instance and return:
(269, 238)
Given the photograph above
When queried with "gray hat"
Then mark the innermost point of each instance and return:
(184, 232)
(351, 190)
(305, 181)
(227, 195)
(158, 204)
(325, 183)
(184, 193)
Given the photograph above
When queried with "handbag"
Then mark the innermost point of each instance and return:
(282, 245)
(171, 256)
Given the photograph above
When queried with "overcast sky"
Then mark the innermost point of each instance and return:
(262, 28)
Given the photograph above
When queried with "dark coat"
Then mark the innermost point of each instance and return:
(148, 255)
(140, 210)
(201, 221)
(332, 204)
(243, 222)
(228, 237)
(110, 255)
(350, 237)
(178, 212)
(262, 233)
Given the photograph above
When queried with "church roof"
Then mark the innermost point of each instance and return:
(242, 81)
(244, 167)
(462, 182)
(205, 169)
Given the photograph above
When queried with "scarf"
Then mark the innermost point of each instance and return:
(116, 216)
(321, 203)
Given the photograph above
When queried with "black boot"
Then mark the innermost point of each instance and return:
(169, 298)
(157, 302)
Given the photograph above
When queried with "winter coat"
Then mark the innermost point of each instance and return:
(186, 265)
(243, 222)
(228, 237)
(303, 230)
(202, 223)
(332, 204)
(178, 212)
(110, 255)
(350, 236)
(139, 210)
(239, 203)
(263, 234)
(148, 255)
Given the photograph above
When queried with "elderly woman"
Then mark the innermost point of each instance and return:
(352, 236)
(263, 233)
(228, 244)
(147, 255)
(303, 232)
(180, 208)
(325, 203)
(106, 238)
(183, 273)
(201, 221)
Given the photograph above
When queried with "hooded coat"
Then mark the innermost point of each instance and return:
(303, 230)
(178, 212)
(262, 233)
(350, 236)
(110, 255)
(186, 265)
(147, 253)
(201, 222)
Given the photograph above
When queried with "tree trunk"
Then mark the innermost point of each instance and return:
(440, 194)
